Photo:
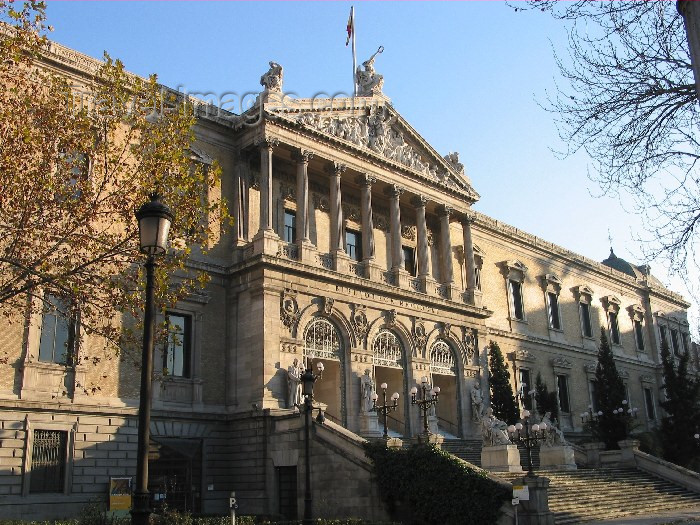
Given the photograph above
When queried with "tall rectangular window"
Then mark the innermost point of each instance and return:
(57, 332)
(525, 387)
(614, 328)
(353, 245)
(477, 277)
(674, 342)
(563, 389)
(176, 358)
(649, 402)
(290, 226)
(586, 328)
(516, 299)
(639, 334)
(409, 260)
(48, 461)
(554, 320)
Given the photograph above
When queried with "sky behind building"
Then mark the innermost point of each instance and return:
(468, 76)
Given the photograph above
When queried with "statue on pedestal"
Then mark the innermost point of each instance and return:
(367, 389)
(493, 430)
(554, 437)
(294, 384)
(272, 80)
(369, 82)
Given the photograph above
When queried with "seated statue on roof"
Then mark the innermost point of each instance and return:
(272, 80)
(369, 82)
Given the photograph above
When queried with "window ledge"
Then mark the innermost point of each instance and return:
(522, 321)
(558, 330)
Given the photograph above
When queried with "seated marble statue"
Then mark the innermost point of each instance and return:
(553, 436)
(272, 80)
(493, 430)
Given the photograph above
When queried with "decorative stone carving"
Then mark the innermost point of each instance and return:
(390, 316)
(420, 337)
(522, 354)
(288, 193)
(624, 374)
(453, 160)
(431, 238)
(289, 310)
(272, 80)
(369, 82)
(561, 362)
(321, 202)
(327, 305)
(351, 212)
(644, 378)
(408, 232)
(359, 322)
(590, 368)
(470, 341)
(445, 329)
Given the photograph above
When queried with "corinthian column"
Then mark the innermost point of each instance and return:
(266, 144)
(421, 235)
(302, 217)
(446, 245)
(473, 295)
(366, 180)
(394, 191)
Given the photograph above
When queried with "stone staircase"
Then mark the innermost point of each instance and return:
(599, 494)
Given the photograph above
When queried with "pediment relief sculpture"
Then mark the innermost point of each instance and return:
(561, 362)
(522, 354)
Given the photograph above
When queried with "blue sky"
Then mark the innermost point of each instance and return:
(467, 76)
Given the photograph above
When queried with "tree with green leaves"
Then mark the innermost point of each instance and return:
(611, 426)
(76, 160)
(502, 398)
(682, 406)
(546, 401)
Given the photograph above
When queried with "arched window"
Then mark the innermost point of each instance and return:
(387, 350)
(442, 360)
(322, 340)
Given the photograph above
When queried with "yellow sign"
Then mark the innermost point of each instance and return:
(119, 493)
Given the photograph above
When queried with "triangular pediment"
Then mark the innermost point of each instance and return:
(372, 125)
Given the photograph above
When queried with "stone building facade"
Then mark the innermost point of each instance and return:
(355, 244)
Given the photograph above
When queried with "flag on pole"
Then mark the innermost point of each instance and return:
(351, 26)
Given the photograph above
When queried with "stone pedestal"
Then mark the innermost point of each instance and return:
(370, 426)
(373, 272)
(627, 448)
(501, 458)
(394, 443)
(400, 277)
(341, 261)
(593, 453)
(266, 242)
(534, 510)
(429, 439)
(474, 297)
(557, 458)
(307, 253)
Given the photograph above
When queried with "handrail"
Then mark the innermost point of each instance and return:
(398, 427)
(333, 418)
(451, 427)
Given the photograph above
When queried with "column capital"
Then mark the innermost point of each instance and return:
(302, 155)
(469, 217)
(366, 179)
(444, 210)
(419, 201)
(393, 190)
(335, 168)
(267, 142)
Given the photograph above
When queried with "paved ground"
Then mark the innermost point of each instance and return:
(687, 517)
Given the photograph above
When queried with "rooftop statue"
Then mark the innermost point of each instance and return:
(272, 80)
(453, 160)
(368, 81)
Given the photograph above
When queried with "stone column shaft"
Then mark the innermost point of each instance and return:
(367, 222)
(266, 147)
(395, 212)
(421, 236)
(446, 245)
(239, 202)
(302, 216)
(337, 241)
(469, 253)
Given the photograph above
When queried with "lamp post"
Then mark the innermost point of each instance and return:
(308, 378)
(154, 219)
(424, 402)
(590, 415)
(384, 409)
(529, 437)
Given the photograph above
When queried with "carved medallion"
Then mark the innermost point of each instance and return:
(359, 322)
(419, 335)
(327, 305)
(289, 310)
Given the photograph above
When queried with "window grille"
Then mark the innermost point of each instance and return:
(48, 461)
(387, 350)
(321, 340)
(442, 359)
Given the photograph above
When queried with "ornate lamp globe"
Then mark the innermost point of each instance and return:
(154, 219)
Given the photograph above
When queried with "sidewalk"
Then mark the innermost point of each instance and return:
(685, 517)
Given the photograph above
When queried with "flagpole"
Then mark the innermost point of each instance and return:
(354, 58)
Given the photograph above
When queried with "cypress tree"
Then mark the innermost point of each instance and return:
(546, 400)
(682, 406)
(610, 389)
(502, 398)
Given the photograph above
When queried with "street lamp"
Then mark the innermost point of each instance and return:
(424, 402)
(385, 409)
(529, 437)
(154, 219)
(308, 378)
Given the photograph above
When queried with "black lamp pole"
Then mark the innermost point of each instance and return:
(154, 219)
(308, 378)
(529, 437)
(424, 403)
(384, 409)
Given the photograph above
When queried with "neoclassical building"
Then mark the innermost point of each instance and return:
(355, 244)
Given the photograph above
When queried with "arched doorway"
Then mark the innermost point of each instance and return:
(443, 371)
(389, 366)
(322, 342)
